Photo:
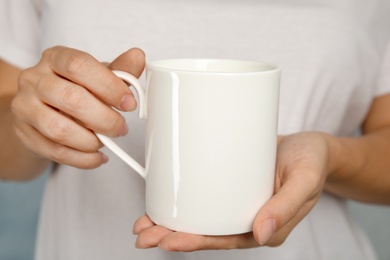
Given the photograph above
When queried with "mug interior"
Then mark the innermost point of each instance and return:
(212, 65)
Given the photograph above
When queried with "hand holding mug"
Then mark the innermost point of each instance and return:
(67, 97)
(301, 171)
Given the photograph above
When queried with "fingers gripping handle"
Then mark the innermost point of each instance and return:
(133, 81)
(130, 80)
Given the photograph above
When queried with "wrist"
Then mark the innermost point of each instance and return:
(334, 155)
(345, 160)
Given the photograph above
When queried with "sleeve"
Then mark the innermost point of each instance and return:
(19, 32)
(383, 86)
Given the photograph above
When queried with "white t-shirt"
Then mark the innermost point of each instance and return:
(330, 52)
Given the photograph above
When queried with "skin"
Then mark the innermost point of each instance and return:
(307, 164)
(51, 109)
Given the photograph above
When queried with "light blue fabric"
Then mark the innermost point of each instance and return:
(19, 212)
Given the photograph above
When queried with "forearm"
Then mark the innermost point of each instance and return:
(16, 162)
(359, 168)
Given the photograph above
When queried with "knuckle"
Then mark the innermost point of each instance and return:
(58, 153)
(108, 85)
(95, 145)
(72, 98)
(76, 62)
(46, 80)
(51, 53)
(47, 53)
(58, 130)
(26, 78)
(113, 121)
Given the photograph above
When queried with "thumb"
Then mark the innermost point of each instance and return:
(279, 216)
(131, 61)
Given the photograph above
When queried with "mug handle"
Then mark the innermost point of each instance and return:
(110, 144)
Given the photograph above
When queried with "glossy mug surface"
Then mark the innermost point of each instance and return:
(211, 139)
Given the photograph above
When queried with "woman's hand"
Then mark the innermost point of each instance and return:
(67, 97)
(301, 169)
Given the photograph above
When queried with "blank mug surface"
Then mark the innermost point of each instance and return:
(210, 143)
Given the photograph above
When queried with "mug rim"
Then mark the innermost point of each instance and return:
(221, 66)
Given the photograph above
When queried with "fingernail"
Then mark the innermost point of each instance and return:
(127, 102)
(124, 129)
(267, 230)
(104, 158)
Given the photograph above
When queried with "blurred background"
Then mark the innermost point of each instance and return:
(19, 210)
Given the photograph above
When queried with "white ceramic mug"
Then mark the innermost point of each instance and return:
(211, 138)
